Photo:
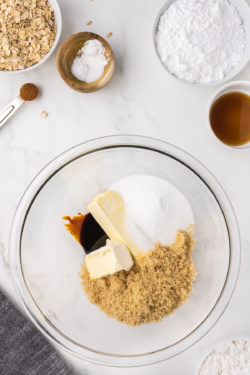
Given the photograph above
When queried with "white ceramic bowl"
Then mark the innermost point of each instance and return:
(244, 11)
(226, 339)
(235, 86)
(58, 21)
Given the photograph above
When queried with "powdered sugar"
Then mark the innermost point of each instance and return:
(88, 66)
(231, 358)
(201, 41)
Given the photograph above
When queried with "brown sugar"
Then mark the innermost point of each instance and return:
(150, 290)
(28, 92)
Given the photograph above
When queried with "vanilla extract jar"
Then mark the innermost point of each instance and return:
(229, 118)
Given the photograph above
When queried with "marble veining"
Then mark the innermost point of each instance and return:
(140, 99)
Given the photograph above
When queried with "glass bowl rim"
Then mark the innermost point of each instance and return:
(83, 149)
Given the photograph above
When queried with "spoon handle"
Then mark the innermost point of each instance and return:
(8, 111)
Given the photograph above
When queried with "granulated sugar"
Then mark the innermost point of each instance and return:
(201, 41)
(231, 358)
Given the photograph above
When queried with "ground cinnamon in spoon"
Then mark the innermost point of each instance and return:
(28, 92)
(149, 291)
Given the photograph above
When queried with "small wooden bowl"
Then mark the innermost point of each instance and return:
(67, 53)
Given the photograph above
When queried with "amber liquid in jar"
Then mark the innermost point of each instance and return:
(230, 118)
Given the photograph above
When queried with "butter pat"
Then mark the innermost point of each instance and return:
(108, 259)
(109, 211)
(141, 210)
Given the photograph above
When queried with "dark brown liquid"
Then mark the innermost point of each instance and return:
(86, 230)
(230, 118)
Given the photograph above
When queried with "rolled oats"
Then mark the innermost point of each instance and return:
(43, 114)
(27, 32)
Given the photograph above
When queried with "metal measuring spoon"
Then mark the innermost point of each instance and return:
(28, 92)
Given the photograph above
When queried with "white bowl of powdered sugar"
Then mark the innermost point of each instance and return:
(231, 357)
(203, 42)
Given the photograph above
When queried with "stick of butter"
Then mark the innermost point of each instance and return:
(108, 259)
(109, 211)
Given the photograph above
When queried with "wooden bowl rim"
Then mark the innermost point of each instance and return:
(81, 85)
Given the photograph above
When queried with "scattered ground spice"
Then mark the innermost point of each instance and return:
(89, 23)
(109, 35)
(150, 290)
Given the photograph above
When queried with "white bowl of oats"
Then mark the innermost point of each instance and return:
(30, 31)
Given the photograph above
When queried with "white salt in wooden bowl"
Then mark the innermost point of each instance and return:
(67, 53)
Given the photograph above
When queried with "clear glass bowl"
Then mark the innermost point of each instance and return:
(45, 259)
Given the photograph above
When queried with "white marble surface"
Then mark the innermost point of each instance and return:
(141, 99)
